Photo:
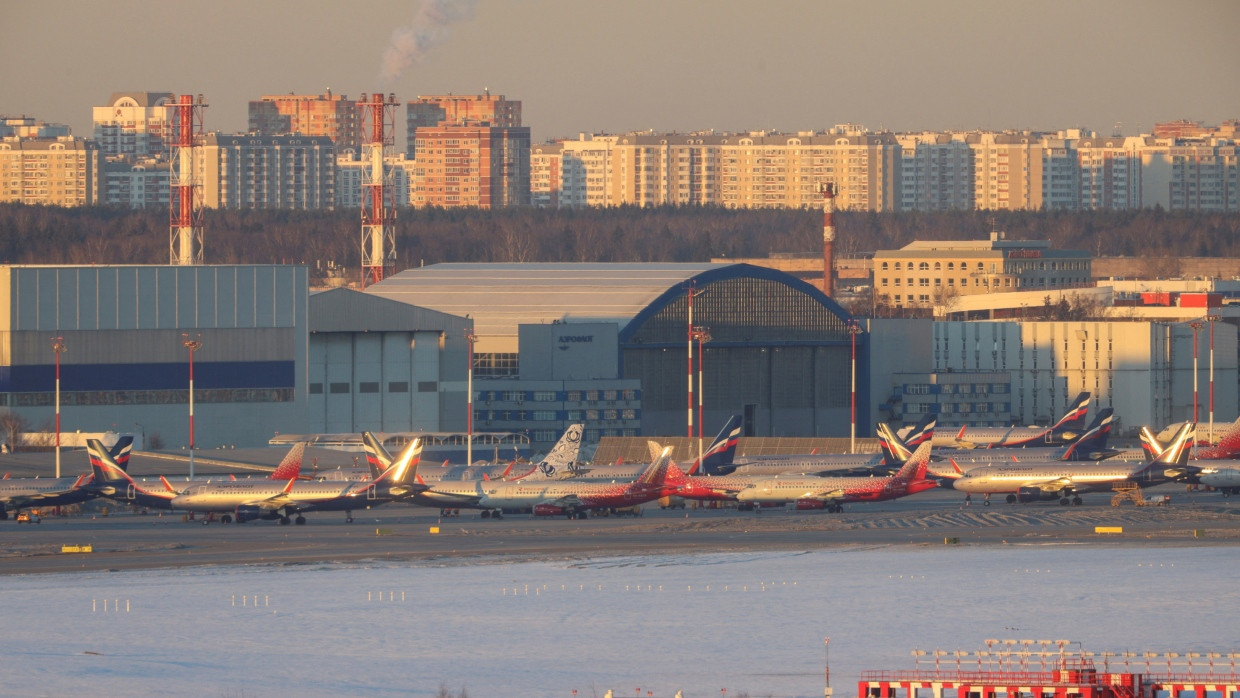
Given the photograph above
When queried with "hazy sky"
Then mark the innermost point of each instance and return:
(668, 65)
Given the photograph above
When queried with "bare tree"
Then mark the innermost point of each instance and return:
(12, 426)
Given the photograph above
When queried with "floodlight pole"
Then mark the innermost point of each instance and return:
(853, 331)
(193, 345)
(470, 338)
(1196, 325)
(58, 346)
(1212, 319)
(702, 335)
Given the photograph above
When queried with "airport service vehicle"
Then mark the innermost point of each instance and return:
(31, 517)
(1066, 480)
(831, 493)
(21, 492)
(270, 499)
(112, 481)
(1064, 431)
(575, 498)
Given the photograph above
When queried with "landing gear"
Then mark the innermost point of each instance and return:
(1064, 502)
(300, 520)
(986, 501)
(284, 521)
(348, 518)
(835, 508)
(1076, 501)
(4, 513)
(1010, 499)
(225, 518)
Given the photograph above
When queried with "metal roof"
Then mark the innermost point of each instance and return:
(499, 297)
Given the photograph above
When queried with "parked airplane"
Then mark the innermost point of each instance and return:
(112, 481)
(450, 495)
(1066, 429)
(28, 492)
(575, 498)
(1227, 448)
(560, 461)
(831, 493)
(1225, 480)
(271, 499)
(1091, 446)
(894, 454)
(716, 459)
(1065, 480)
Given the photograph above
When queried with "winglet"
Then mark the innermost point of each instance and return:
(167, 485)
(289, 487)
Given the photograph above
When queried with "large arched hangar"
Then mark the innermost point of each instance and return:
(779, 352)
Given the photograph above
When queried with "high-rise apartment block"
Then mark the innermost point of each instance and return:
(1012, 170)
(61, 171)
(29, 127)
(334, 116)
(252, 171)
(468, 151)
(134, 124)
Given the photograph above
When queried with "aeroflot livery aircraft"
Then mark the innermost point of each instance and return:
(1065, 480)
(27, 492)
(1066, 429)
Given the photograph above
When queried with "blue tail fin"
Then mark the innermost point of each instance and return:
(1074, 418)
(120, 451)
(1093, 440)
(718, 458)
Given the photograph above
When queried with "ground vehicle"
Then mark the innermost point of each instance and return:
(31, 517)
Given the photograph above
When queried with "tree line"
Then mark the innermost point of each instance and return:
(108, 235)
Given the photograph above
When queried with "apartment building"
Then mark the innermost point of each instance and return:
(334, 116)
(29, 127)
(63, 171)
(349, 177)
(252, 171)
(134, 124)
(545, 175)
(935, 172)
(482, 109)
(143, 183)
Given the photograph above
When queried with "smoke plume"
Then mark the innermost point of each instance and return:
(430, 26)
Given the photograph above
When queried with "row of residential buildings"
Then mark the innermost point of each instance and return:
(304, 151)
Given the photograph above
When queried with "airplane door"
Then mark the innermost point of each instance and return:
(371, 492)
(130, 493)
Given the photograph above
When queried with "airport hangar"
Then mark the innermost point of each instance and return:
(555, 343)
(607, 345)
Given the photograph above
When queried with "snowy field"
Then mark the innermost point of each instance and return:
(748, 623)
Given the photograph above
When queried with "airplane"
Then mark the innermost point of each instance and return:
(1225, 480)
(271, 499)
(1091, 446)
(111, 480)
(1066, 429)
(717, 459)
(831, 493)
(28, 492)
(559, 462)
(894, 454)
(1065, 480)
(450, 495)
(575, 498)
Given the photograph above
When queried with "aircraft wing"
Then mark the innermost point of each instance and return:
(825, 495)
(1051, 486)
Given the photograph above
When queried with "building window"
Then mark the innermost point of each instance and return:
(338, 388)
(368, 387)
(316, 388)
(398, 387)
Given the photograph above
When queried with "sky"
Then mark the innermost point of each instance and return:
(668, 65)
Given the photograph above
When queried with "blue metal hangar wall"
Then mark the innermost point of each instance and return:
(607, 344)
(125, 366)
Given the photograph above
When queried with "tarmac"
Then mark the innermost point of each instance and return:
(126, 540)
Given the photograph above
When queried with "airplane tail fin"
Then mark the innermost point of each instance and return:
(655, 474)
(914, 469)
(718, 458)
(1094, 439)
(376, 455)
(897, 451)
(923, 431)
(561, 460)
(405, 468)
(1074, 418)
(104, 468)
(290, 467)
(120, 451)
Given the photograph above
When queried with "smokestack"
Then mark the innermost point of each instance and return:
(828, 238)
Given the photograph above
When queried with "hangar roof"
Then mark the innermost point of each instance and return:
(499, 297)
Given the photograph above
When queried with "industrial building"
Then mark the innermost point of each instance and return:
(609, 344)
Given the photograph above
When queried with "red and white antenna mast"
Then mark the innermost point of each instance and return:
(828, 238)
(185, 195)
(378, 232)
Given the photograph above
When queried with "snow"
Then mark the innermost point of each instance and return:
(747, 622)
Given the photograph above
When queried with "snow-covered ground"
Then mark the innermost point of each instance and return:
(746, 622)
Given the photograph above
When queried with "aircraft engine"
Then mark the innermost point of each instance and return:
(249, 512)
